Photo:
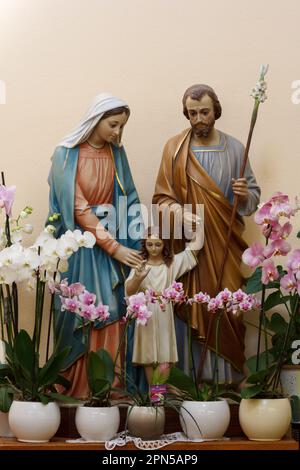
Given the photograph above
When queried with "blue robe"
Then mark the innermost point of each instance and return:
(99, 272)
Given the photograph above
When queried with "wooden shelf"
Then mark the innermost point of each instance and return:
(234, 443)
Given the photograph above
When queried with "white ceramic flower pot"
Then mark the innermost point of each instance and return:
(146, 422)
(264, 419)
(97, 423)
(204, 419)
(5, 430)
(33, 421)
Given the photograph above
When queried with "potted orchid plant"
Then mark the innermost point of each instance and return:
(24, 381)
(185, 388)
(279, 287)
(204, 412)
(96, 419)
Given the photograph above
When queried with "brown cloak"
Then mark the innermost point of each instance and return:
(182, 180)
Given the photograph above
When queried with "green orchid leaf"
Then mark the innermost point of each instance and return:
(95, 367)
(183, 382)
(43, 398)
(49, 373)
(254, 284)
(251, 392)
(265, 359)
(298, 234)
(25, 355)
(6, 398)
(277, 323)
(98, 371)
(101, 388)
(275, 299)
(108, 364)
(258, 377)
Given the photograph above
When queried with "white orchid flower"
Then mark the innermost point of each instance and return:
(31, 259)
(86, 239)
(66, 246)
(7, 275)
(43, 237)
(49, 248)
(12, 256)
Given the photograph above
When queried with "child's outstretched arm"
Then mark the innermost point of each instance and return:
(133, 283)
(197, 242)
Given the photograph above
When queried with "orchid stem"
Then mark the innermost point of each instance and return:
(216, 366)
(51, 313)
(192, 368)
(261, 321)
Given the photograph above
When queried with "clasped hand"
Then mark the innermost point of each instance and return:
(240, 188)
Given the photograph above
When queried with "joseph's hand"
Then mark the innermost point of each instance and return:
(240, 188)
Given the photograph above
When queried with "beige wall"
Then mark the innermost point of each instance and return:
(57, 54)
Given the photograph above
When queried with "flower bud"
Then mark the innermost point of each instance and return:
(50, 228)
(23, 214)
(27, 228)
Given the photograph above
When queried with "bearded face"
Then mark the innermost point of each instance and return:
(203, 130)
(201, 115)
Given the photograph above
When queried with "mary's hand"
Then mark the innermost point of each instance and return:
(128, 256)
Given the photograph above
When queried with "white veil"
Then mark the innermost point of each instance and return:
(101, 103)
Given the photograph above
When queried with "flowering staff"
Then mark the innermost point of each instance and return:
(259, 95)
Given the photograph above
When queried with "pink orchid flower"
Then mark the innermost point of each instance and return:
(269, 272)
(293, 260)
(7, 195)
(87, 298)
(288, 282)
(253, 256)
(281, 231)
(262, 216)
(277, 247)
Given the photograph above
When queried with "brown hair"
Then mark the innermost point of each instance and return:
(167, 252)
(196, 92)
(113, 112)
